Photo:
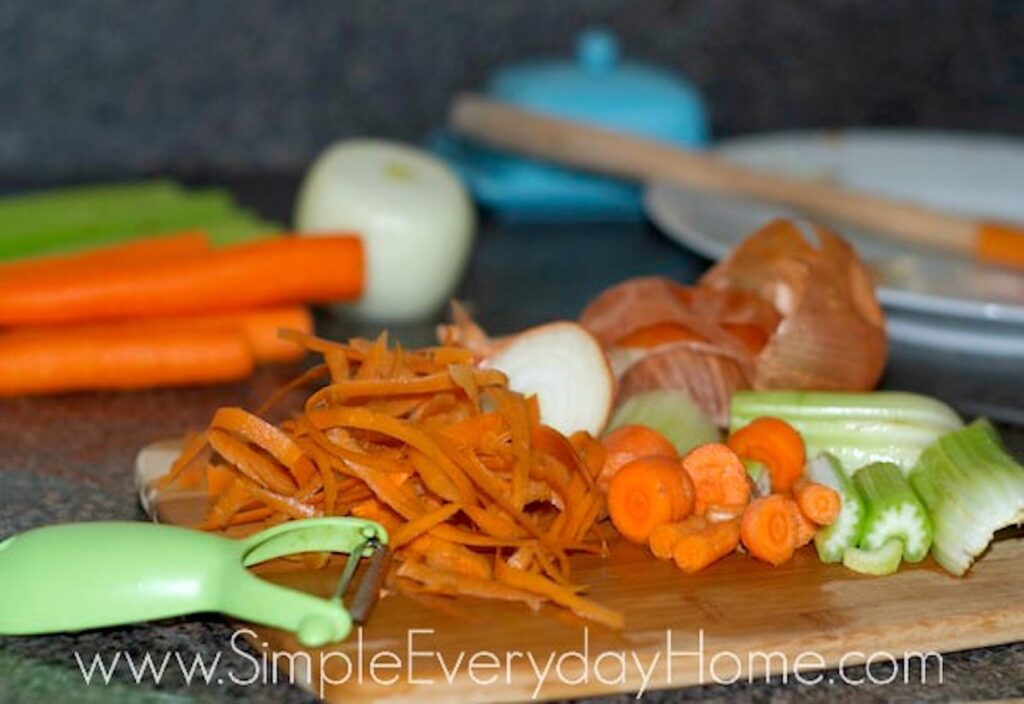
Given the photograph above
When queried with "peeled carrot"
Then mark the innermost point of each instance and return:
(718, 477)
(818, 502)
(695, 551)
(664, 537)
(805, 529)
(768, 529)
(646, 493)
(270, 272)
(628, 443)
(114, 256)
(774, 443)
(134, 358)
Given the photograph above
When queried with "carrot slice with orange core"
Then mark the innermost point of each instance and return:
(646, 493)
(818, 502)
(774, 443)
(718, 477)
(805, 529)
(628, 443)
(768, 529)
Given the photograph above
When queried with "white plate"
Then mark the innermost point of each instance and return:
(931, 299)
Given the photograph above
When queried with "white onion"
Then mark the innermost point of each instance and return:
(566, 368)
(413, 213)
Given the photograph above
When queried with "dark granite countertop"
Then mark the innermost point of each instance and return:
(69, 458)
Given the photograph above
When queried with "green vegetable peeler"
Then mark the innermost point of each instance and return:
(90, 575)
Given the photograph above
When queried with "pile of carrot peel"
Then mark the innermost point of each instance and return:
(701, 507)
(479, 498)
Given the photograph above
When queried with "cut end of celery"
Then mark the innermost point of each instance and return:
(880, 561)
(972, 488)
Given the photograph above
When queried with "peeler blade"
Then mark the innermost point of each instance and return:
(369, 586)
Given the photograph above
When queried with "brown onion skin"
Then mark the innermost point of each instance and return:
(810, 296)
(832, 334)
(709, 378)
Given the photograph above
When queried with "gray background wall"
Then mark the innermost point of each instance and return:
(92, 88)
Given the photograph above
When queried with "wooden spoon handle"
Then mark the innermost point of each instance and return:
(625, 156)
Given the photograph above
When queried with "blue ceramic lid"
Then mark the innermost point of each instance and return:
(600, 88)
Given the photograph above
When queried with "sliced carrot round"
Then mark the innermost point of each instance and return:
(768, 529)
(647, 493)
(628, 443)
(776, 444)
(718, 477)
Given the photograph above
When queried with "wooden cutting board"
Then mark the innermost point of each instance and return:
(738, 619)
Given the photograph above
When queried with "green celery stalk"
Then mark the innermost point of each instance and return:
(109, 221)
(832, 541)
(892, 510)
(972, 488)
(240, 229)
(858, 429)
(879, 561)
(759, 476)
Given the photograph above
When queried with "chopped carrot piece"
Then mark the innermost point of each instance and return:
(718, 476)
(628, 443)
(649, 492)
(818, 502)
(768, 529)
(664, 538)
(805, 529)
(695, 551)
(774, 443)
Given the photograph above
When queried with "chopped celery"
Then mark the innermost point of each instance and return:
(672, 413)
(73, 219)
(972, 488)
(879, 561)
(892, 510)
(856, 428)
(832, 542)
(760, 477)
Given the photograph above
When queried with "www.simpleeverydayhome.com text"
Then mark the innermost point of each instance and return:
(418, 664)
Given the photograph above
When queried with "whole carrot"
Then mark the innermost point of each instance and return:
(125, 359)
(271, 272)
(695, 551)
(158, 249)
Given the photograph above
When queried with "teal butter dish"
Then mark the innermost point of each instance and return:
(600, 88)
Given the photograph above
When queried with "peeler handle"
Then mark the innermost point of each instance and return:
(91, 575)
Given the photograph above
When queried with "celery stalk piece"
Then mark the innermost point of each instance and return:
(832, 541)
(240, 229)
(759, 476)
(672, 413)
(879, 561)
(856, 428)
(892, 510)
(110, 221)
(972, 488)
